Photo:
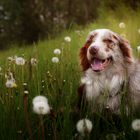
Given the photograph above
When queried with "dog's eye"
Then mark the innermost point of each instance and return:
(108, 41)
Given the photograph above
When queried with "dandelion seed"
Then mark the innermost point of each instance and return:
(55, 59)
(84, 126)
(122, 25)
(40, 105)
(138, 48)
(67, 39)
(20, 61)
(33, 61)
(136, 125)
(57, 51)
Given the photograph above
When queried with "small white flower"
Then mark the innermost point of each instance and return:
(122, 25)
(67, 39)
(138, 48)
(139, 31)
(33, 61)
(20, 61)
(10, 83)
(55, 59)
(57, 51)
(136, 125)
(40, 105)
(84, 126)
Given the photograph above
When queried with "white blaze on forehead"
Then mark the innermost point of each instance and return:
(100, 34)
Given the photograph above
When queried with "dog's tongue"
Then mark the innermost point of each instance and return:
(96, 64)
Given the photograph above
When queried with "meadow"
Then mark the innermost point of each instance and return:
(58, 81)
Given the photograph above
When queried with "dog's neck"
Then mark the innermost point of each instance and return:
(109, 81)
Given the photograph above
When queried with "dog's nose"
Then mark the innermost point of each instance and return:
(93, 49)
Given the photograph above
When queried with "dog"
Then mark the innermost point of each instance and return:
(108, 64)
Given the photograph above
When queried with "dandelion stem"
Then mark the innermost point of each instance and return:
(41, 127)
(27, 117)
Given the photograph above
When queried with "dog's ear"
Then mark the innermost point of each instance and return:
(83, 58)
(125, 48)
(83, 52)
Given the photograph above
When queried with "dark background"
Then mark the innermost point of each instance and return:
(27, 21)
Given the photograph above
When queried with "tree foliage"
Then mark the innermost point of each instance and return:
(27, 21)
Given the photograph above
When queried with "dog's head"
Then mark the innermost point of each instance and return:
(104, 48)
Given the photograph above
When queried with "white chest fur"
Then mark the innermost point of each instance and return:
(97, 83)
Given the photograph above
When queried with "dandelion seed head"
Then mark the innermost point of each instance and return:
(20, 61)
(40, 98)
(111, 137)
(55, 59)
(24, 84)
(10, 83)
(67, 39)
(122, 25)
(139, 31)
(33, 61)
(57, 51)
(19, 131)
(136, 124)
(10, 59)
(26, 92)
(84, 126)
(41, 108)
(138, 48)
(1, 8)
(18, 108)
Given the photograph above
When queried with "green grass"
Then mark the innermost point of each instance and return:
(60, 86)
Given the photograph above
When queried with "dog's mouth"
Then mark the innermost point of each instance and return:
(98, 65)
